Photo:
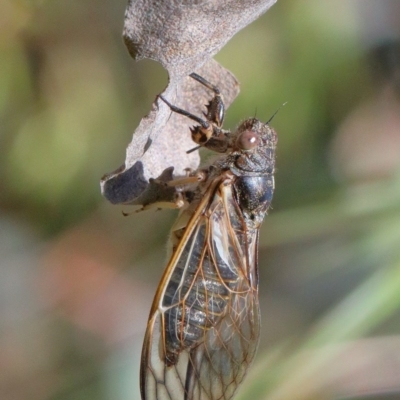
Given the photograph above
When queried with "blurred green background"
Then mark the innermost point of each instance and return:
(77, 278)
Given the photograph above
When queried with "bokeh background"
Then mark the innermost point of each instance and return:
(77, 278)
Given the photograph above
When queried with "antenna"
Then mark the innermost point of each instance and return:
(276, 112)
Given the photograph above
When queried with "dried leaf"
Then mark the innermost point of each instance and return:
(182, 36)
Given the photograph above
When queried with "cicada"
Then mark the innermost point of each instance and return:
(204, 324)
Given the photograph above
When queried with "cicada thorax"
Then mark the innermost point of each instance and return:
(254, 196)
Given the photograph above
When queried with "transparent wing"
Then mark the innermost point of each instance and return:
(203, 328)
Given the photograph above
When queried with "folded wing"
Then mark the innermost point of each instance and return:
(203, 328)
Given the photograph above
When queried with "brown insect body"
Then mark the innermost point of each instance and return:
(204, 323)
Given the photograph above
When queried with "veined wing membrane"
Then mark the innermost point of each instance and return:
(204, 324)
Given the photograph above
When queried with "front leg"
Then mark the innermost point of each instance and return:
(169, 192)
(200, 133)
(207, 134)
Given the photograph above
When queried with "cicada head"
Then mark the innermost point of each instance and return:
(254, 144)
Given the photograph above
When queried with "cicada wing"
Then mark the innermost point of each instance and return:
(213, 370)
(159, 382)
(204, 325)
(218, 366)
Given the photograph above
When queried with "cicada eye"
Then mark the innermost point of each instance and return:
(248, 140)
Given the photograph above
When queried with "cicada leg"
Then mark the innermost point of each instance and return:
(174, 193)
(192, 177)
(209, 132)
(200, 133)
(215, 108)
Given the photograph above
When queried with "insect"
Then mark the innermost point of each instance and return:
(204, 323)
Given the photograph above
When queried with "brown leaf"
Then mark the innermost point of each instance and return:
(182, 36)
